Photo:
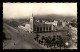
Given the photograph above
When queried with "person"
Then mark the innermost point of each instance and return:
(14, 43)
(35, 38)
(39, 41)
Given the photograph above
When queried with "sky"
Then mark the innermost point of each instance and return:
(20, 10)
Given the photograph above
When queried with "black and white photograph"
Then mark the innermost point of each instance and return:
(40, 25)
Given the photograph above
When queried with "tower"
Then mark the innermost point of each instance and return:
(31, 24)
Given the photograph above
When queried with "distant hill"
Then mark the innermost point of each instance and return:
(15, 22)
(55, 17)
(51, 17)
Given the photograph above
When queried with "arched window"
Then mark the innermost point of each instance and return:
(37, 29)
(43, 29)
(40, 29)
(50, 28)
(47, 28)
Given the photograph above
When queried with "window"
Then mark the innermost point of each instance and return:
(37, 29)
(40, 29)
(43, 28)
(47, 28)
(31, 31)
(50, 28)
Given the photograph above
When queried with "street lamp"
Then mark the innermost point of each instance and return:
(66, 43)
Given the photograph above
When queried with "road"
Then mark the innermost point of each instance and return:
(20, 40)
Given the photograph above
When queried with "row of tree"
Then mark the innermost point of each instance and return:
(51, 41)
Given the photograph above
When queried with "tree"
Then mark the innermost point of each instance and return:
(60, 42)
(47, 41)
(43, 38)
(53, 41)
(37, 37)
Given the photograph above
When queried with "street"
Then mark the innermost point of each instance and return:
(20, 40)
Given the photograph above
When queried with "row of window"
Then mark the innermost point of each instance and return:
(43, 28)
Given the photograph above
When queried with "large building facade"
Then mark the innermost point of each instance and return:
(37, 27)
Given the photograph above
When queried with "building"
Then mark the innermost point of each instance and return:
(31, 24)
(42, 27)
(73, 33)
(21, 27)
(38, 25)
(46, 26)
(54, 25)
(27, 27)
